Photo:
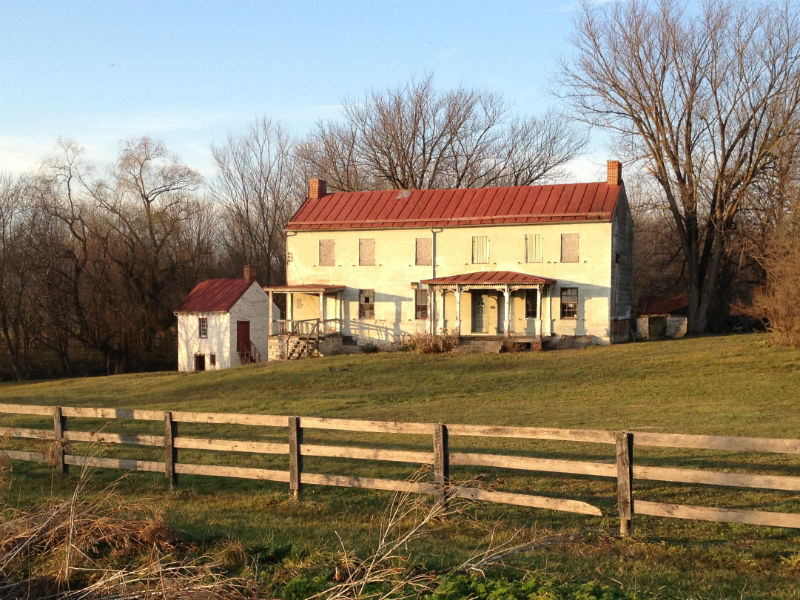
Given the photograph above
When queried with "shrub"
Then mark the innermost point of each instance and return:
(370, 348)
(427, 343)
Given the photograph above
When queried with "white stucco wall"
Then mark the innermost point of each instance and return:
(217, 342)
(252, 306)
(395, 270)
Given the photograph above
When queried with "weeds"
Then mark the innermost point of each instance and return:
(427, 343)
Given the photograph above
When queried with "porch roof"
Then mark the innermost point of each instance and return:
(489, 278)
(305, 288)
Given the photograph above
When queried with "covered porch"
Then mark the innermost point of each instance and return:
(312, 323)
(489, 304)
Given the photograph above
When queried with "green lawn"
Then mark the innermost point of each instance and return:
(734, 385)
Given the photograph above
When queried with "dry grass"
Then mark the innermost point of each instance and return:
(427, 343)
(102, 548)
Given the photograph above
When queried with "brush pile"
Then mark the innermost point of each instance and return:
(99, 547)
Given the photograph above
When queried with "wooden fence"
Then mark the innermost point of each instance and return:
(439, 457)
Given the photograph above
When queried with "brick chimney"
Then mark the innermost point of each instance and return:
(250, 273)
(614, 172)
(317, 188)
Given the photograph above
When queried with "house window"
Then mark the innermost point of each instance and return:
(533, 248)
(212, 360)
(480, 249)
(420, 304)
(423, 252)
(366, 252)
(202, 327)
(570, 245)
(366, 304)
(531, 297)
(327, 253)
(569, 303)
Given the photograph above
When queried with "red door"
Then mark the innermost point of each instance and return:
(243, 339)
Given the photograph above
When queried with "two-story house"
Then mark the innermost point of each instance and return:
(535, 262)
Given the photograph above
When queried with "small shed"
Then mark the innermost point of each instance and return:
(223, 323)
(660, 317)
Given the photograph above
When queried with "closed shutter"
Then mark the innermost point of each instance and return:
(480, 249)
(533, 248)
(366, 252)
(423, 252)
(570, 251)
(327, 250)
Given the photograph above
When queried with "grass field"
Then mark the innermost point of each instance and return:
(734, 385)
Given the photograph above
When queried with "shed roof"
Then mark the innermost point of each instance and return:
(659, 305)
(214, 295)
(457, 207)
(489, 277)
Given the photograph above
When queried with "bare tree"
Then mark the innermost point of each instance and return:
(703, 99)
(417, 137)
(259, 186)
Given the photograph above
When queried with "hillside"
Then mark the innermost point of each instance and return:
(732, 385)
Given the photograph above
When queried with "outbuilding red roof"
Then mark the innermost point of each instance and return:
(457, 207)
(214, 295)
(488, 277)
(660, 305)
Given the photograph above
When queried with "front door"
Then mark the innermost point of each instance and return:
(199, 362)
(243, 336)
(480, 310)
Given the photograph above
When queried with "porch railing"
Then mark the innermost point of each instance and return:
(308, 328)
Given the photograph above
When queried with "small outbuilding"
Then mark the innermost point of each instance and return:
(660, 317)
(223, 323)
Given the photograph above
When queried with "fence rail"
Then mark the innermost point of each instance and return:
(440, 458)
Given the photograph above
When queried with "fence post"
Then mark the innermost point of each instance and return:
(170, 451)
(625, 481)
(295, 459)
(59, 426)
(441, 462)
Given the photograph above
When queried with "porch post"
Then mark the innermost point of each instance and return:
(507, 296)
(322, 310)
(539, 307)
(269, 313)
(458, 310)
(440, 316)
(290, 306)
(431, 308)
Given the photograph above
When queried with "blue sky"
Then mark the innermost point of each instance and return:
(190, 72)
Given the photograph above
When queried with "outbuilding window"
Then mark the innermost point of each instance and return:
(420, 304)
(202, 327)
(212, 360)
(366, 304)
(569, 303)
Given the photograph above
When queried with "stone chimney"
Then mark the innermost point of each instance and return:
(317, 188)
(614, 172)
(250, 273)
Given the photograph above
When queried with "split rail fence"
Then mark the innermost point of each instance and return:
(440, 458)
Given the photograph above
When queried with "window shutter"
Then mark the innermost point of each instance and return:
(327, 253)
(366, 252)
(533, 248)
(424, 252)
(480, 249)
(570, 243)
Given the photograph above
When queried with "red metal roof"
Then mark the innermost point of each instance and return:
(457, 207)
(214, 295)
(660, 305)
(489, 277)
